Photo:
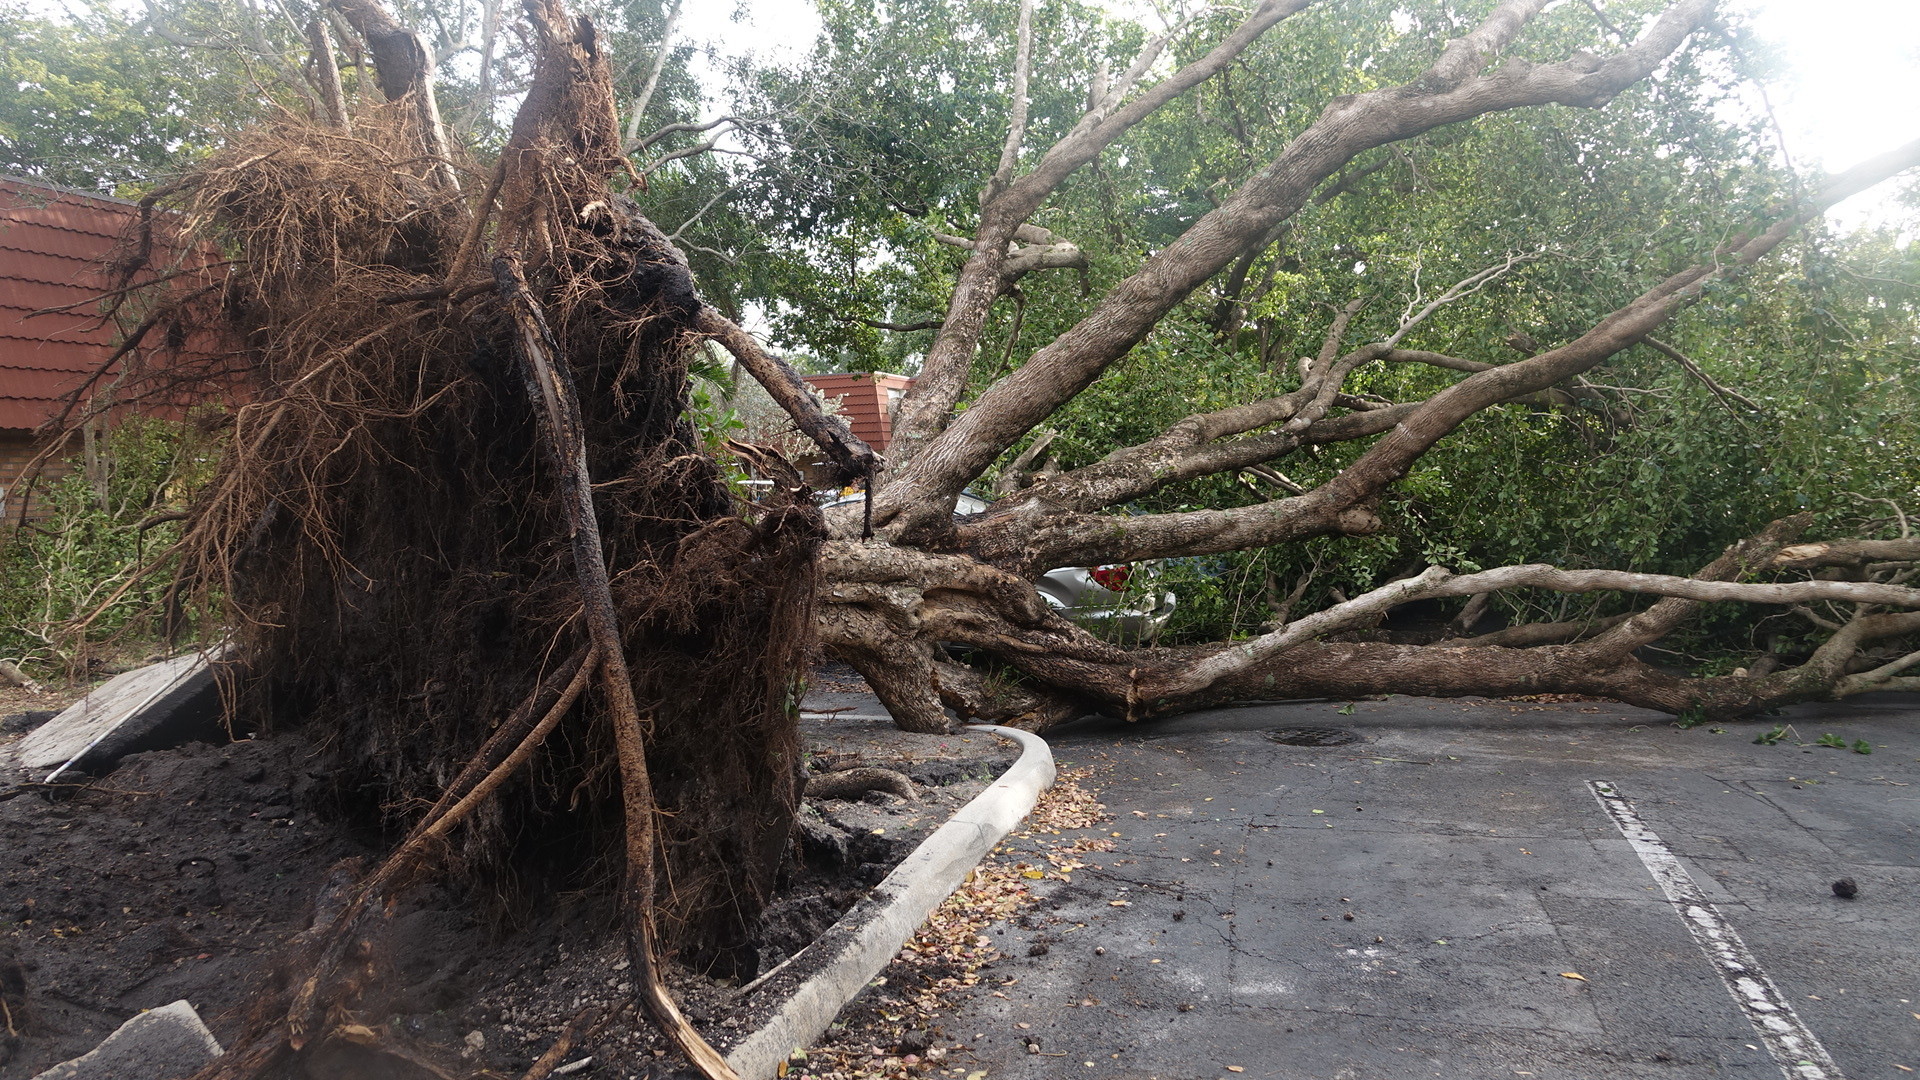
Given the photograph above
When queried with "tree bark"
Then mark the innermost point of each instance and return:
(884, 604)
(403, 66)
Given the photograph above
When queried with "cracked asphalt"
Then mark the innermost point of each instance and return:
(1414, 904)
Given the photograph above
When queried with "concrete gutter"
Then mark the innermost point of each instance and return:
(867, 938)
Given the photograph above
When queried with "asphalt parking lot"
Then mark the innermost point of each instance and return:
(1461, 894)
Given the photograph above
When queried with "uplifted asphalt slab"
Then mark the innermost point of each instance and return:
(1449, 897)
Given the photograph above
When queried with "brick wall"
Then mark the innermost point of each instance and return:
(17, 448)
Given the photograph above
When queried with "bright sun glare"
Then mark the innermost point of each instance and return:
(1850, 91)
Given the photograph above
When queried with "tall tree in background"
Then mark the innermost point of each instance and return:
(89, 101)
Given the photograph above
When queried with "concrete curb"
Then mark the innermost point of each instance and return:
(866, 938)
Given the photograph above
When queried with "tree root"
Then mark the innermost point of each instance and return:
(556, 403)
(590, 1020)
(853, 783)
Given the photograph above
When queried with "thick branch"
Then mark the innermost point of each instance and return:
(1438, 582)
(924, 410)
(403, 66)
(884, 599)
(489, 40)
(898, 328)
(1449, 92)
(660, 55)
(851, 456)
(1017, 114)
(327, 73)
(1019, 471)
(1527, 635)
(400, 58)
(1032, 248)
(1880, 678)
(1847, 553)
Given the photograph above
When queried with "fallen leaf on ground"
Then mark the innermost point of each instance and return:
(1573, 975)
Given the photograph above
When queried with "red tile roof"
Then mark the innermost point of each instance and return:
(51, 244)
(866, 402)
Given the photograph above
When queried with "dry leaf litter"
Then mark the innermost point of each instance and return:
(893, 1032)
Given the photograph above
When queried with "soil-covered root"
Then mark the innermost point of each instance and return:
(853, 783)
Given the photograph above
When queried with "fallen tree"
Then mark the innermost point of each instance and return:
(927, 579)
(466, 525)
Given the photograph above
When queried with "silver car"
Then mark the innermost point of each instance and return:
(1120, 602)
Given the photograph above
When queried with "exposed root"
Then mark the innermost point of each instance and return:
(853, 783)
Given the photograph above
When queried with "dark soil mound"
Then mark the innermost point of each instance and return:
(183, 872)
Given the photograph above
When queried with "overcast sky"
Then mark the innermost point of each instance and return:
(1853, 89)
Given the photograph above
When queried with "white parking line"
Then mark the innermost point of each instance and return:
(1791, 1042)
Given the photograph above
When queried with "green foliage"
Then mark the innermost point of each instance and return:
(63, 580)
(1839, 742)
(95, 101)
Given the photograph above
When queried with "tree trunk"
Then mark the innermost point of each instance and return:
(887, 612)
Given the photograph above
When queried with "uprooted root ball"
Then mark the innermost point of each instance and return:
(386, 537)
